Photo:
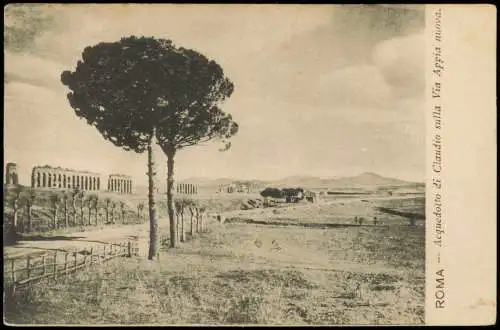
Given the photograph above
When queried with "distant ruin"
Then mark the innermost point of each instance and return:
(120, 183)
(240, 187)
(11, 176)
(186, 189)
(57, 177)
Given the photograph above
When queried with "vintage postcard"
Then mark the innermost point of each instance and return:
(249, 164)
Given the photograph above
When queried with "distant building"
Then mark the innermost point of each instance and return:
(236, 187)
(120, 183)
(186, 189)
(58, 177)
(11, 176)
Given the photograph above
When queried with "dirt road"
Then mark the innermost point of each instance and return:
(77, 239)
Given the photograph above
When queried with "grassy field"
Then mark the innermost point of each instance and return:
(240, 273)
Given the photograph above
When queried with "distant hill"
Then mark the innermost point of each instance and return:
(364, 180)
(368, 179)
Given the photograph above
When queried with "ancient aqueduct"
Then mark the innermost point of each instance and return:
(57, 177)
(63, 178)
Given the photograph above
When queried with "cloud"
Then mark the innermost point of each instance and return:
(34, 70)
(401, 62)
(355, 86)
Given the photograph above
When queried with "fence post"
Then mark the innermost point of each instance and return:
(91, 255)
(85, 258)
(129, 249)
(55, 264)
(13, 262)
(75, 255)
(104, 252)
(28, 259)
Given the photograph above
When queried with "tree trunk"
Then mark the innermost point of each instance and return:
(191, 213)
(183, 231)
(177, 221)
(153, 222)
(30, 220)
(55, 218)
(201, 222)
(15, 207)
(74, 214)
(197, 220)
(15, 220)
(66, 218)
(170, 197)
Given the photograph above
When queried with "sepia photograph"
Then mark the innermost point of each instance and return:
(215, 164)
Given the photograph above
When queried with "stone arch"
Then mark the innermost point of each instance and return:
(98, 183)
(86, 182)
(38, 179)
(44, 179)
(59, 181)
(64, 181)
(49, 183)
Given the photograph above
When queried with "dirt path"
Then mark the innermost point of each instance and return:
(77, 239)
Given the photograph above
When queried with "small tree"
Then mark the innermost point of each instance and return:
(113, 207)
(81, 196)
(16, 206)
(95, 206)
(108, 203)
(74, 195)
(270, 192)
(203, 214)
(191, 207)
(178, 210)
(55, 200)
(30, 202)
(122, 209)
(89, 202)
(140, 207)
(65, 199)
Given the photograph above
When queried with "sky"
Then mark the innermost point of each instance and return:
(323, 90)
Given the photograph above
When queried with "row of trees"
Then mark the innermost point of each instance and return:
(197, 215)
(142, 92)
(74, 207)
(290, 194)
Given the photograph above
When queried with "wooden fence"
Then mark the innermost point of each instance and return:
(19, 271)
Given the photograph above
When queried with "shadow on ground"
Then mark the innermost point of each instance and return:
(298, 224)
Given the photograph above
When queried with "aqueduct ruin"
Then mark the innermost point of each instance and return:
(11, 176)
(120, 183)
(57, 177)
(186, 189)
